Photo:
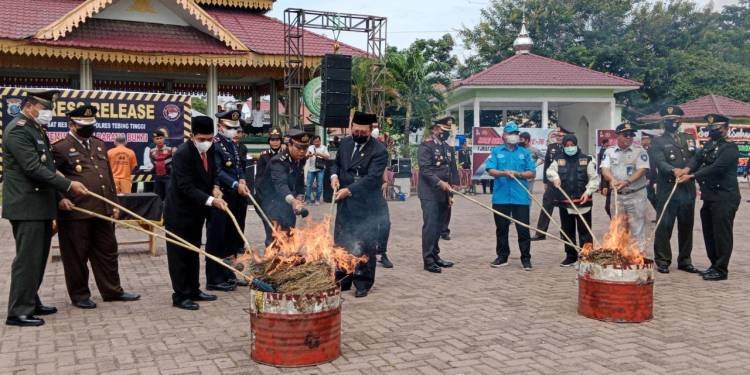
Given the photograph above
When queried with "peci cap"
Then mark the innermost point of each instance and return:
(362, 118)
(202, 125)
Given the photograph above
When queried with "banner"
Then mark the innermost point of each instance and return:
(486, 138)
(739, 134)
(136, 115)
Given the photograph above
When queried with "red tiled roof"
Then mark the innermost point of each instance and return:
(22, 19)
(700, 107)
(265, 35)
(535, 70)
(140, 37)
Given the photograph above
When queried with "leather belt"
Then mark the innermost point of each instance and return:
(632, 191)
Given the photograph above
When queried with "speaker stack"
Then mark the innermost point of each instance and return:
(335, 91)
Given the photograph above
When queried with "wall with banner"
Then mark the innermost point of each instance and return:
(739, 134)
(486, 138)
(133, 114)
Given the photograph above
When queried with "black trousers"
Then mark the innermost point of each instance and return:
(353, 234)
(33, 239)
(572, 223)
(548, 202)
(502, 226)
(717, 218)
(184, 265)
(491, 184)
(384, 233)
(608, 203)
(446, 226)
(161, 183)
(433, 220)
(651, 195)
(222, 239)
(682, 210)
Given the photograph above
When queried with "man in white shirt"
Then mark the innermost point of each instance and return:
(317, 154)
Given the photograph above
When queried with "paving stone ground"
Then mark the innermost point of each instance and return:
(472, 319)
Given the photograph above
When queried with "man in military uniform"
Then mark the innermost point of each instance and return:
(715, 169)
(670, 153)
(82, 157)
(438, 172)
(625, 166)
(30, 203)
(222, 237)
(280, 184)
(358, 173)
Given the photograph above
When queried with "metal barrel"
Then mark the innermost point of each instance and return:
(622, 295)
(289, 330)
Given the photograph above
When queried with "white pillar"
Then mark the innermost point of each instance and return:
(613, 114)
(545, 115)
(476, 112)
(461, 122)
(212, 91)
(86, 75)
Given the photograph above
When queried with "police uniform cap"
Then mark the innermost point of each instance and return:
(275, 133)
(230, 118)
(202, 125)
(299, 136)
(46, 98)
(84, 115)
(715, 120)
(625, 127)
(671, 111)
(363, 118)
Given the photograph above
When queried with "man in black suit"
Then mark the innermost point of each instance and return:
(188, 203)
(358, 172)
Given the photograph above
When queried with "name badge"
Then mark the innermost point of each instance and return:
(629, 171)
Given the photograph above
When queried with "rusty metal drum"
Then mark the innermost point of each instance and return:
(622, 295)
(289, 330)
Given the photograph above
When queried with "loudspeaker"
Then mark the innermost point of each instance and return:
(401, 167)
(335, 91)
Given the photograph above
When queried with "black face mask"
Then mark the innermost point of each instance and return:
(86, 131)
(671, 126)
(714, 134)
(361, 139)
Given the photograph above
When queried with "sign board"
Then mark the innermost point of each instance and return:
(134, 114)
(484, 139)
(739, 134)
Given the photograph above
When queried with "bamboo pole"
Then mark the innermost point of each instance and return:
(261, 212)
(541, 206)
(334, 204)
(666, 204)
(237, 226)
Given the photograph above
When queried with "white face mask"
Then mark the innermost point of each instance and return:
(229, 133)
(511, 139)
(202, 146)
(45, 117)
(375, 132)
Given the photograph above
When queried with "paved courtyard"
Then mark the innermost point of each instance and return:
(472, 319)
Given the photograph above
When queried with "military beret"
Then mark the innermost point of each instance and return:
(44, 97)
(299, 136)
(202, 125)
(275, 133)
(671, 111)
(84, 115)
(230, 118)
(625, 127)
(716, 119)
(362, 118)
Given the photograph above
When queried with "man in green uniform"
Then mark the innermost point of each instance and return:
(715, 169)
(30, 203)
(671, 152)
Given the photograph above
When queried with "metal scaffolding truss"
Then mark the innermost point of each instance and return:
(297, 20)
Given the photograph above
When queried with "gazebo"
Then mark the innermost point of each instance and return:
(581, 99)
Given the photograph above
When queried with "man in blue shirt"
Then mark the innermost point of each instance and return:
(508, 196)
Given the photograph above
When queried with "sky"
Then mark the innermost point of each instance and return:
(409, 19)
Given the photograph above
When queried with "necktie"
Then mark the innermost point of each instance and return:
(205, 161)
(86, 145)
(356, 150)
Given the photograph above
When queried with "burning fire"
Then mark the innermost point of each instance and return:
(618, 240)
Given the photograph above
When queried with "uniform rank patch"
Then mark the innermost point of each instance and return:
(644, 157)
(561, 163)
(583, 162)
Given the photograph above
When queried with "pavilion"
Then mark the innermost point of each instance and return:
(580, 99)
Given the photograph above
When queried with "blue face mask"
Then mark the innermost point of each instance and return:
(570, 151)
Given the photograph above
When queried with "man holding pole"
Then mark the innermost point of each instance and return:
(509, 197)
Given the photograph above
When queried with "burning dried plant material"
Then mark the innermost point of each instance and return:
(619, 248)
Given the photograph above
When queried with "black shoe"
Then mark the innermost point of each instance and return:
(239, 282)
(385, 261)
(568, 262)
(707, 271)
(222, 287)
(714, 276)
(499, 262)
(360, 293)
(538, 238)
(24, 321)
(85, 304)
(124, 297)
(526, 264)
(434, 268)
(204, 297)
(45, 310)
(662, 268)
(444, 263)
(446, 237)
(186, 304)
(689, 268)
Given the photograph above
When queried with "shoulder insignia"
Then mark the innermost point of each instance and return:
(644, 156)
(583, 161)
(561, 162)
(21, 122)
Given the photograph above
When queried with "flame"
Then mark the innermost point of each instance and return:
(619, 239)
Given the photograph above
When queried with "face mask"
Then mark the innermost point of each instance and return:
(511, 139)
(714, 134)
(202, 146)
(360, 138)
(671, 126)
(85, 131)
(375, 132)
(570, 151)
(444, 136)
(229, 133)
(45, 117)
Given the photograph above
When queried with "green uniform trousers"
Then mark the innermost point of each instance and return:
(33, 239)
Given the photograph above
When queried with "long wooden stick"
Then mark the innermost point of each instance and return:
(614, 194)
(185, 245)
(237, 226)
(262, 214)
(666, 204)
(334, 204)
(580, 215)
(498, 213)
(541, 206)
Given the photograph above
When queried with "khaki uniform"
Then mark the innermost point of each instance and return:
(632, 200)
